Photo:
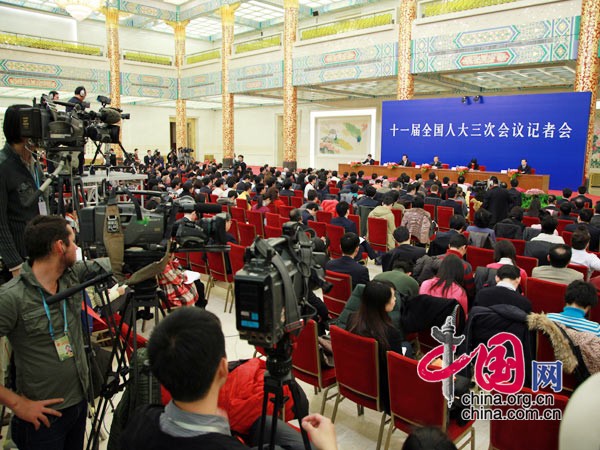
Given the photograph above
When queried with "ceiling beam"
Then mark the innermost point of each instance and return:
(440, 80)
(348, 94)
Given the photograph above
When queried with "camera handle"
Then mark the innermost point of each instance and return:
(278, 375)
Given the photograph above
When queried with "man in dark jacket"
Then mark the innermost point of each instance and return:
(346, 264)
(584, 219)
(497, 201)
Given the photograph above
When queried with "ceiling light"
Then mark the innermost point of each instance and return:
(79, 9)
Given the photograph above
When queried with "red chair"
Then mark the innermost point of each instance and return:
(335, 233)
(482, 168)
(242, 203)
(272, 220)
(414, 401)
(273, 232)
(319, 227)
(445, 166)
(285, 199)
(545, 296)
(377, 233)
(397, 216)
(238, 214)
(545, 352)
(479, 257)
(338, 296)
(444, 213)
(530, 434)
(567, 236)
(334, 191)
(324, 216)
(430, 209)
(357, 372)
(284, 211)
(528, 221)
(218, 272)
(213, 198)
(256, 219)
(518, 243)
(236, 257)
(247, 234)
(299, 193)
(296, 202)
(234, 230)
(562, 224)
(356, 219)
(527, 263)
(306, 362)
(579, 268)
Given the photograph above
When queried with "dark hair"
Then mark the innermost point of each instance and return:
(428, 438)
(451, 271)
(508, 271)
(560, 255)
(370, 191)
(41, 233)
(311, 206)
(566, 192)
(461, 179)
(389, 198)
(404, 264)
(349, 242)
(418, 201)
(295, 215)
(549, 224)
(451, 192)
(585, 215)
(535, 207)
(580, 238)
(457, 241)
(582, 294)
(505, 249)
(401, 234)
(578, 203)
(565, 208)
(582, 190)
(342, 208)
(185, 350)
(78, 90)
(12, 126)
(482, 218)
(516, 213)
(432, 175)
(372, 320)
(514, 182)
(457, 222)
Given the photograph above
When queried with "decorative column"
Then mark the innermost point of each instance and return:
(406, 81)
(588, 66)
(114, 61)
(290, 92)
(180, 107)
(227, 13)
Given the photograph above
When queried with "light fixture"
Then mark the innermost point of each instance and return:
(79, 9)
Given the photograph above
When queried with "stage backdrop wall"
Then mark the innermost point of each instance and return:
(549, 130)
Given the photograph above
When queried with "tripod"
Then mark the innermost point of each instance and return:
(278, 375)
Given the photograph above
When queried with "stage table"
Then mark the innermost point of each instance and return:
(525, 181)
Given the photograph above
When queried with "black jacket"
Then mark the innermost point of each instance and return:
(498, 202)
(345, 264)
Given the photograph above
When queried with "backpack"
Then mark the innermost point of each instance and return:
(426, 267)
(484, 277)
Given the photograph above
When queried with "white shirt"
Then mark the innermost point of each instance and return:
(308, 187)
(506, 284)
(553, 239)
(583, 258)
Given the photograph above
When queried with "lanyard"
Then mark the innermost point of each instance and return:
(50, 327)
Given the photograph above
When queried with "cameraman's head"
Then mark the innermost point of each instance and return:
(12, 132)
(187, 354)
(187, 205)
(349, 243)
(50, 239)
(80, 93)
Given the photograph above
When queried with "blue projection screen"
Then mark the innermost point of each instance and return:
(549, 130)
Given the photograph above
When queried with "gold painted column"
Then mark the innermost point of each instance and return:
(114, 61)
(181, 138)
(406, 81)
(588, 66)
(227, 13)
(290, 92)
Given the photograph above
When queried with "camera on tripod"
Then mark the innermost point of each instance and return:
(274, 285)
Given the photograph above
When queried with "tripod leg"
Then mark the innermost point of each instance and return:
(294, 388)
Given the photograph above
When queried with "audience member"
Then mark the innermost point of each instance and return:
(346, 264)
(516, 197)
(448, 283)
(442, 239)
(582, 190)
(580, 242)
(584, 220)
(505, 292)
(404, 250)
(497, 201)
(483, 220)
(417, 220)
(400, 277)
(559, 256)
(428, 438)
(505, 253)
(384, 211)
(580, 298)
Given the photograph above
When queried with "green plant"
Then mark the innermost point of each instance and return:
(47, 44)
(204, 56)
(345, 26)
(147, 58)
(449, 6)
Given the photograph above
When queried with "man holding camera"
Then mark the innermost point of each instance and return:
(187, 356)
(78, 99)
(47, 340)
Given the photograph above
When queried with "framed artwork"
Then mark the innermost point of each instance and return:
(343, 135)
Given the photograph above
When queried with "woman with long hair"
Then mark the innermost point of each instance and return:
(262, 204)
(372, 320)
(449, 282)
(505, 253)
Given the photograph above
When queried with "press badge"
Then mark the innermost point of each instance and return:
(63, 348)
(42, 207)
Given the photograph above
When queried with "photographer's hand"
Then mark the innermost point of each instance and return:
(35, 412)
(321, 431)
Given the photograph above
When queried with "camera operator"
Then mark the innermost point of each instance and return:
(20, 177)
(187, 356)
(78, 99)
(47, 340)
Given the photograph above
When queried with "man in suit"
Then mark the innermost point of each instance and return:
(585, 215)
(459, 208)
(582, 190)
(559, 256)
(405, 162)
(369, 161)
(369, 198)
(497, 201)
(346, 264)
(524, 168)
(505, 292)
(436, 162)
(442, 240)
(404, 251)
(566, 194)
(149, 159)
(515, 194)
